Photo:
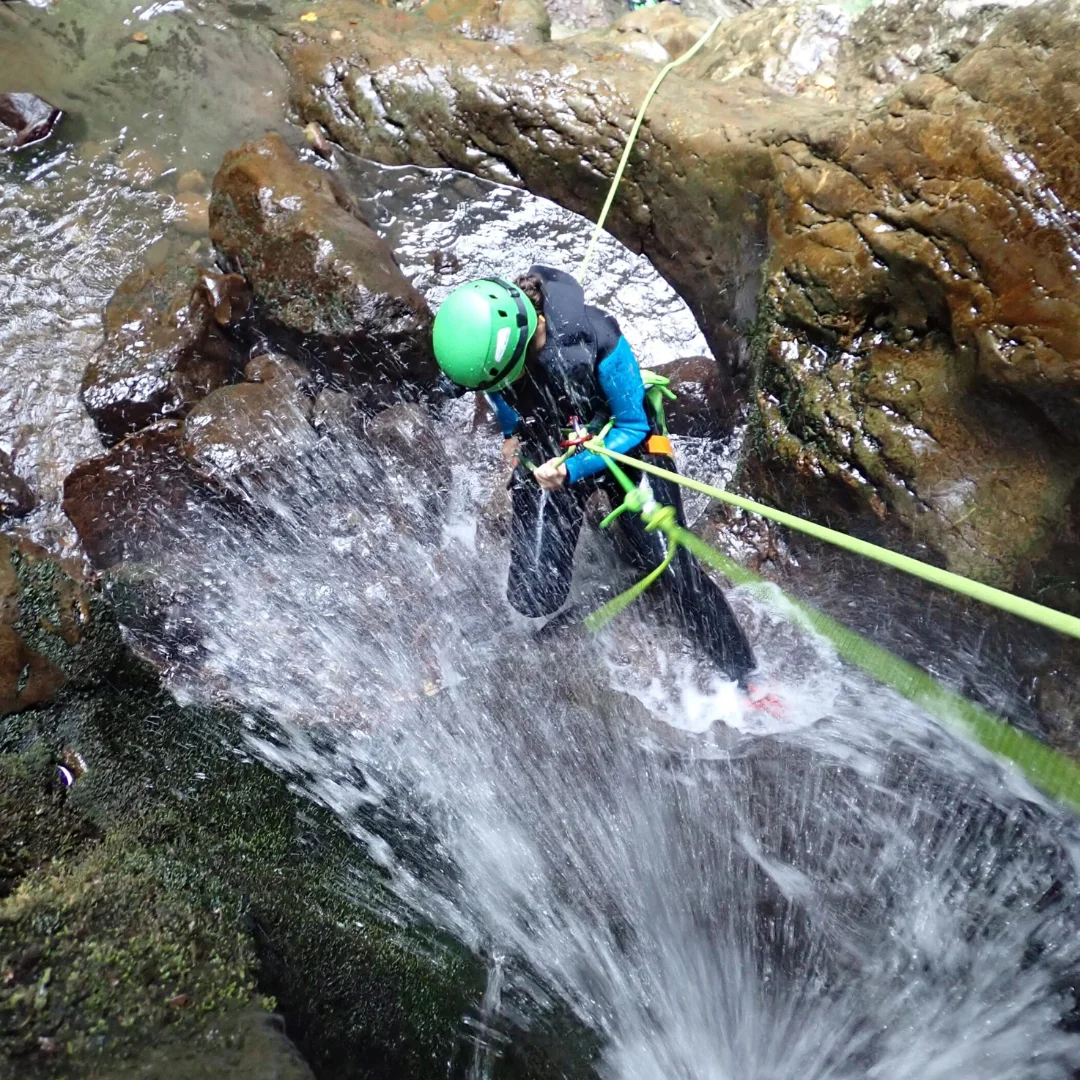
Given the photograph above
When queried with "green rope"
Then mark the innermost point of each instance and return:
(1046, 768)
(1015, 605)
(599, 227)
(1028, 609)
(656, 516)
(601, 617)
(1049, 770)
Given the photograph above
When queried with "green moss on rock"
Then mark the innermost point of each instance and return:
(99, 953)
(179, 890)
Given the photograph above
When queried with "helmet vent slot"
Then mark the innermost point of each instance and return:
(502, 314)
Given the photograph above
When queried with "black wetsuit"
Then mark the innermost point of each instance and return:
(567, 378)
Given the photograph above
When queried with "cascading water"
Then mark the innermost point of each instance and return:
(849, 892)
(859, 895)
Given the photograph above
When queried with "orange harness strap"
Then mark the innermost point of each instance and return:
(658, 444)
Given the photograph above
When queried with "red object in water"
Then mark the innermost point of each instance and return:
(767, 703)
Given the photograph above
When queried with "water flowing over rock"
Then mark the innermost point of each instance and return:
(510, 22)
(162, 893)
(915, 337)
(16, 498)
(166, 345)
(130, 503)
(321, 276)
(413, 456)
(240, 430)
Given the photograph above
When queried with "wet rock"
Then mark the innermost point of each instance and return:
(920, 286)
(707, 405)
(509, 22)
(192, 181)
(1057, 698)
(697, 210)
(25, 119)
(320, 275)
(318, 142)
(140, 908)
(837, 54)
(334, 413)
(709, 9)
(131, 503)
(657, 34)
(16, 498)
(242, 430)
(917, 350)
(193, 216)
(38, 826)
(138, 916)
(165, 346)
(142, 167)
(573, 16)
(408, 434)
(496, 513)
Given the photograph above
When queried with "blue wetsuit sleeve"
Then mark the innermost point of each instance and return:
(505, 414)
(620, 380)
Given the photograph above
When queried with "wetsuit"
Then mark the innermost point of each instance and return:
(586, 369)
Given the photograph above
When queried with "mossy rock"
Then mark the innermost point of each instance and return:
(99, 953)
(212, 884)
(179, 890)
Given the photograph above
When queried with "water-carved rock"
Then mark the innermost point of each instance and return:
(917, 345)
(920, 285)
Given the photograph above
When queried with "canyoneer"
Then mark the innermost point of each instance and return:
(558, 372)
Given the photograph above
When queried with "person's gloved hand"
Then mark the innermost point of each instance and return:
(551, 475)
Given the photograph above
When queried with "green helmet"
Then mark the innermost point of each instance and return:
(480, 333)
